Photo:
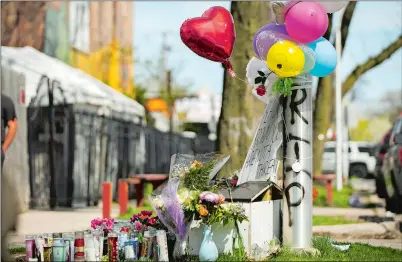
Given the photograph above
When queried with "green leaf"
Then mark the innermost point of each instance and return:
(260, 73)
(283, 86)
(264, 79)
(258, 80)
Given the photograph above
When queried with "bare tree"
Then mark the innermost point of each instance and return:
(240, 112)
(391, 105)
(324, 99)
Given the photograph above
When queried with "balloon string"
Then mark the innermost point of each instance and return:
(241, 79)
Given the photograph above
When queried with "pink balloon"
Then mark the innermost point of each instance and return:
(306, 22)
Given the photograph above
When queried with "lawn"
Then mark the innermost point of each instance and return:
(339, 199)
(356, 252)
(131, 211)
(332, 220)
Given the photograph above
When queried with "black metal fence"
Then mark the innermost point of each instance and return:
(90, 148)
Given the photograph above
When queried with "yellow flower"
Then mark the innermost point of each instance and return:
(203, 210)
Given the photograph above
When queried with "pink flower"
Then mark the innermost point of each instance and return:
(209, 197)
(261, 90)
(104, 224)
(96, 223)
(152, 221)
(138, 225)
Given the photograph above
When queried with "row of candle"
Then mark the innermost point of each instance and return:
(89, 246)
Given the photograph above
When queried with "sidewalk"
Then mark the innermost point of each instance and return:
(35, 222)
(391, 243)
(349, 212)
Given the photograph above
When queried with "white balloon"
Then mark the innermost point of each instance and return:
(332, 7)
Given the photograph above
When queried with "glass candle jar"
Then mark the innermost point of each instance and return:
(113, 250)
(30, 247)
(79, 252)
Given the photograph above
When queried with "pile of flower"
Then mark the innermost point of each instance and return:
(190, 194)
(105, 224)
(144, 221)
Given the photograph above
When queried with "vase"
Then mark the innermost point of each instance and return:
(208, 249)
(180, 248)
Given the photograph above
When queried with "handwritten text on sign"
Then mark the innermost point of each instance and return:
(261, 161)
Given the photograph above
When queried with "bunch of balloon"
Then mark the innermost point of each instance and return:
(297, 46)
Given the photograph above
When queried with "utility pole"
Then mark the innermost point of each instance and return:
(170, 101)
(338, 104)
(297, 164)
(164, 49)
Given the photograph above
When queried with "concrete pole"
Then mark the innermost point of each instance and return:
(297, 164)
(338, 105)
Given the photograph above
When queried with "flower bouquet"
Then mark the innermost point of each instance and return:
(174, 201)
(102, 227)
(144, 221)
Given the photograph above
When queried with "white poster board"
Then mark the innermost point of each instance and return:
(262, 162)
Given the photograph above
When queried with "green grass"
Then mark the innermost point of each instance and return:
(16, 250)
(356, 252)
(339, 199)
(331, 220)
(131, 211)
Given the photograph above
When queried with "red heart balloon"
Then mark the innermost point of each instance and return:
(211, 36)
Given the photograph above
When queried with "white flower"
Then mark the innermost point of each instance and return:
(157, 203)
(183, 194)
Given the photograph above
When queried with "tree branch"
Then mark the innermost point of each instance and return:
(346, 20)
(370, 63)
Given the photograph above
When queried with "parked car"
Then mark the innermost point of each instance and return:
(380, 152)
(392, 167)
(362, 161)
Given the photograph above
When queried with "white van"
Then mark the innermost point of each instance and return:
(360, 154)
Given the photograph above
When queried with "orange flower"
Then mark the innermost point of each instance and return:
(221, 199)
(315, 193)
(203, 210)
(196, 164)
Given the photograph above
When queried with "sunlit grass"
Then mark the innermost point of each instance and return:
(339, 199)
(332, 220)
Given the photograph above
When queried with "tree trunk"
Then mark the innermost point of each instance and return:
(241, 112)
(324, 99)
(322, 119)
(23, 23)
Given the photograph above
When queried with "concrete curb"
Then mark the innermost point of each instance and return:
(385, 230)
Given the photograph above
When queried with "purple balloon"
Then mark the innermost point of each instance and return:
(264, 44)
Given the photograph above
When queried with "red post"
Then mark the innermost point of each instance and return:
(329, 192)
(107, 197)
(139, 193)
(123, 197)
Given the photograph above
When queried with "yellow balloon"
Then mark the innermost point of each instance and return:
(285, 59)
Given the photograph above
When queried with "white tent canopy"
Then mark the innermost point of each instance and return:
(77, 87)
